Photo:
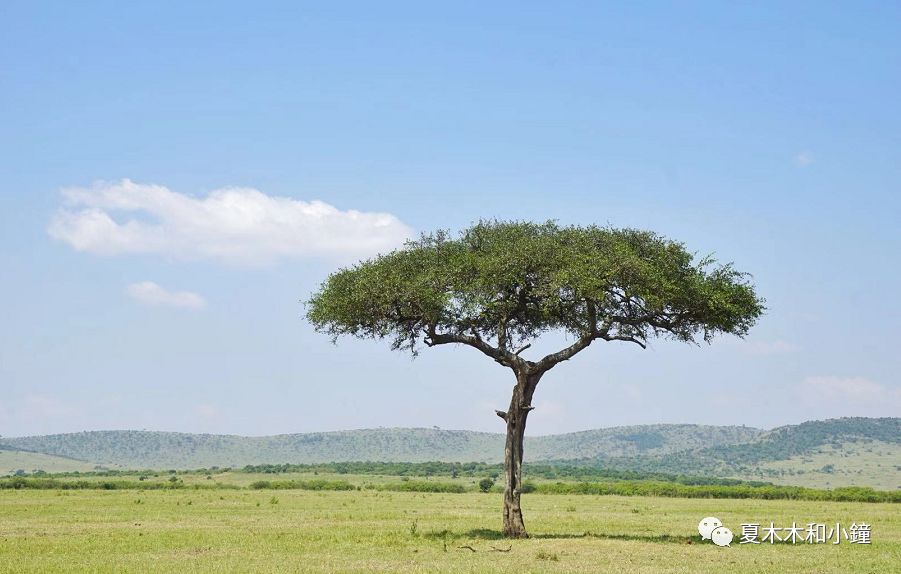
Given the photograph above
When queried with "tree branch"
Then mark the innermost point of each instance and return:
(624, 338)
(604, 333)
(502, 356)
(550, 360)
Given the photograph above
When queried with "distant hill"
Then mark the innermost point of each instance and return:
(150, 449)
(12, 461)
(829, 453)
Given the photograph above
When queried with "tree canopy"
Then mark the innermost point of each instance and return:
(497, 286)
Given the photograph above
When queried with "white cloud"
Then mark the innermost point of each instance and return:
(240, 225)
(804, 158)
(149, 293)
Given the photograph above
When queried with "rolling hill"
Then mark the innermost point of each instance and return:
(830, 453)
(149, 449)
(12, 461)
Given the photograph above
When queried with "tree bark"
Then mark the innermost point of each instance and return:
(516, 416)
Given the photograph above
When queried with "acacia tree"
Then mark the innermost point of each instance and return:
(498, 286)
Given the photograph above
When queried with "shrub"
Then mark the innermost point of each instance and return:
(302, 485)
(485, 484)
(422, 486)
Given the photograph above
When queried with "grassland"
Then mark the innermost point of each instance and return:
(373, 531)
(224, 520)
(13, 460)
(873, 463)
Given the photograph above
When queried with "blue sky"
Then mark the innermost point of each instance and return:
(767, 133)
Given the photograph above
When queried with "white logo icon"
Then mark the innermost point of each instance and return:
(711, 528)
(721, 536)
(706, 526)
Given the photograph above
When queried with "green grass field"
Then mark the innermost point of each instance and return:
(13, 460)
(875, 463)
(371, 531)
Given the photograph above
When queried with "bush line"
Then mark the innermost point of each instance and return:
(20, 482)
(671, 490)
(302, 485)
(619, 488)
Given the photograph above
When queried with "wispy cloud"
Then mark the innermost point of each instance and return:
(240, 225)
(38, 411)
(848, 396)
(207, 411)
(804, 158)
(149, 293)
(548, 413)
(764, 348)
(847, 388)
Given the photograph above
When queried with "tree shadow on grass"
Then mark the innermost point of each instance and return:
(488, 534)
(485, 534)
(656, 538)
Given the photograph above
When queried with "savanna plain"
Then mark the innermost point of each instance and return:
(242, 529)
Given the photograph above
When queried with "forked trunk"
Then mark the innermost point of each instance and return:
(516, 416)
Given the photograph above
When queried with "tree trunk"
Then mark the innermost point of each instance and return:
(516, 416)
